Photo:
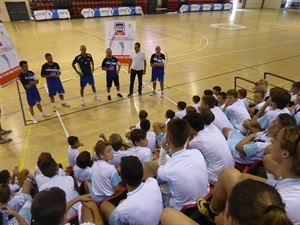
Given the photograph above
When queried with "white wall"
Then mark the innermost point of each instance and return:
(272, 4)
(253, 4)
(3, 12)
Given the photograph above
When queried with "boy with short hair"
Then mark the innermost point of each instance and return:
(221, 100)
(29, 81)
(208, 92)
(258, 98)
(151, 137)
(295, 88)
(216, 90)
(82, 168)
(143, 114)
(196, 101)
(73, 152)
(296, 111)
(181, 107)
(242, 94)
(143, 205)
(263, 86)
(140, 142)
(104, 179)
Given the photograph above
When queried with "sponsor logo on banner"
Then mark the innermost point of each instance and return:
(88, 12)
(195, 7)
(183, 8)
(138, 10)
(124, 11)
(217, 6)
(49, 14)
(106, 11)
(63, 13)
(206, 6)
(227, 6)
(119, 28)
(39, 14)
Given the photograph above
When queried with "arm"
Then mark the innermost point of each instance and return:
(118, 67)
(74, 67)
(261, 111)
(145, 66)
(103, 137)
(129, 65)
(92, 65)
(20, 220)
(80, 198)
(240, 146)
(95, 211)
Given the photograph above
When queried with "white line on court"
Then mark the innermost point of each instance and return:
(58, 116)
(56, 25)
(17, 28)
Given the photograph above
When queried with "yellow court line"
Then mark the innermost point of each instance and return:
(25, 147)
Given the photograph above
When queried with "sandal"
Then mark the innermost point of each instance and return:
(5, 132)
(5, 140)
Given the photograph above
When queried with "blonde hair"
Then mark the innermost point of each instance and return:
(263, 81)
(116, 141)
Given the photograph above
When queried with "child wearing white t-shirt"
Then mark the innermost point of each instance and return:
(143, 114)
(181, 107)
(73, 150)
(82, 169)
(196, 100)
(151, 136)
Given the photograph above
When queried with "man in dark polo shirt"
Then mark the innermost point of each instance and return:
(112, 67)
(85, 69)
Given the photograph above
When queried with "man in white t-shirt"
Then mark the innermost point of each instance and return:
(183, 177)
(143, 205)
(137, 66)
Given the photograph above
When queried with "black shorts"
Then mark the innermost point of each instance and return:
(110, 80)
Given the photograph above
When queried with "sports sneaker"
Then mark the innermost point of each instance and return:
(203, 207)
(65, 104)
(54, 108)
(108, 97)
(34, 120)
(129, 95)
(96, 98)
(152, 93)
(82, 102)
(119, 94)
(162, 95)
(45, 114)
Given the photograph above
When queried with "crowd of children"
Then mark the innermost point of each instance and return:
(177, 164)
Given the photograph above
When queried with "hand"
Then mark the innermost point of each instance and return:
(80, 74)
(118, 72)
(144, 72)
(111, 68)
(81, 144)
(102, 135)
(268, 102)
(129, 71)
(16, 170)
(90, 204)
(85, 198)
(165, 145)
(10, 211)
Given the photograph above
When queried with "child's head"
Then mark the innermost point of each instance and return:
(256, 87)
(216, 90)
(280, 122)
(170, 114)
(43, 155)
(143, 114)
(5, 193)
(279, 98)
(221, 98)
(208, 101)
(116, 141)
(145, 125)
(190, 110)
(139, 138)
(207, 116)
(103, 150)
(178, 132)
(231, 96)
(295, 88)
(49, 207)
(263, 85)
(73, 141)
(196, 99)
(208, 92)
(195, 121)
(242, 93)
(131, 170)
(48, 167)
(83, 160)
(181, 105)
(4, 177)
(258, 96)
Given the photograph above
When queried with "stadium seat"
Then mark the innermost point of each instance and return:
(249, 168)
(116, 198)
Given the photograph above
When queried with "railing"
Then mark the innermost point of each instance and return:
(277, 76)
(244, 79)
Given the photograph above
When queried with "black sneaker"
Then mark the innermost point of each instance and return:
(121, 96)
(108, 97)
(129, 95)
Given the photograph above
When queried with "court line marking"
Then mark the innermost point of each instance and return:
(17, 28)
(55, 25)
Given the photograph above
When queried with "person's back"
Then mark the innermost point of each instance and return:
(82, 169)
(221, 120)
(118, 155)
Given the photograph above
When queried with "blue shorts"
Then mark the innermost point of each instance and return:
(33, 96)
(97, 198)
(86, 79)
(157, 76)
(55, 86)
(234, 138)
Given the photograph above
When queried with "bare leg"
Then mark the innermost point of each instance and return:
(26, 188)
(226, 131)
(154, 85)
(159, 128)
(81, 91)
(271, 166)
(52, 99)
(150, 169)
(39, 106)
(171, 216)
(108, 90)
(61, 97)
(106, 208)
(31, 110)
(161, 87)
(118, 88)
(22, 177)
(93, 88)
(86, 186)
(90, 213)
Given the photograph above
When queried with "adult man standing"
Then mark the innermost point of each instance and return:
(51, 71)
(85, 69)
(112, 67)
(137, 66)
(157, 63)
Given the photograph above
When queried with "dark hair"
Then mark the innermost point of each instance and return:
(181, 105)
(170, 114)
(253, 202)
(207, 116)
(22, 63)
(138, 44)
(72, 140)
(49, 207)
(195, 121)
(223, 95)
(5, 193)
(190, 110)
(145, 125)
(48, 167)
(208, 92)
(116, 141)
(242, 92)
(83, 159)
(232, 92)
(137, 134)
(262, 93)
(42, 156)
(100, 147)
(47, 54)
(4, 176)
(217, 88)
(178, 131)
(296, 85)
(209, 100)
(280, 96)
(286, 119)
(196, 98)
(131, 170)
(143, 114)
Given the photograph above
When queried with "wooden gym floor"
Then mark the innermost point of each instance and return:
(199, 57)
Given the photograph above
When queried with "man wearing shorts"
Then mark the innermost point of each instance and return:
(85, 69)
(112, 67)
(157, 63)
(29, 81)
(51, 71)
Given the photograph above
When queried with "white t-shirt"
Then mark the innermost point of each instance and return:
(268, 117)
(186, 176)
(41, 179)
(143, 206)
(294, 97)
(237, 114)
(67, 184)
(245, 102)
(221, 119)
(196, 106)
(180, 114)
(137, 60)
(143, 153)
(289, 190)
(72, 155)
(104, 178)
(296, 113)
(151, 137)
(118, 155)
(138, 125)
(213, 146)
(81, 174)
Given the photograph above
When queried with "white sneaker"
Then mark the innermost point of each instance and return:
(82, 102)
(45, 114)
(96, 98)
(152, 93)
(162, 95)
(34, 120)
